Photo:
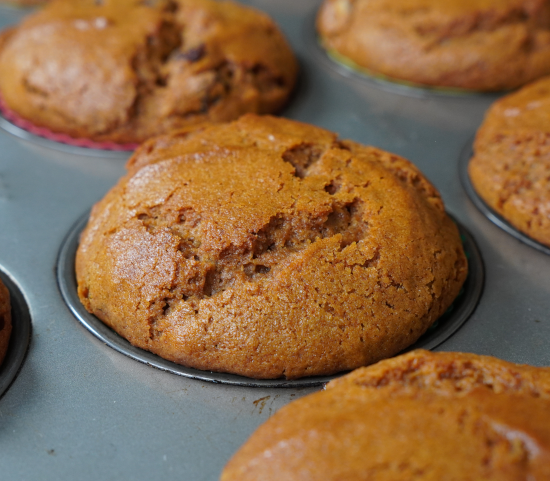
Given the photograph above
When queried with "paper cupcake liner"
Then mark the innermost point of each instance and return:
(45, 133)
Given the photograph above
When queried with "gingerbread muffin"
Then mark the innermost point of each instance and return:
(510, 168)
(125, 70)
(269, 248)
(481, 45)
(422, 416)
(5, 320)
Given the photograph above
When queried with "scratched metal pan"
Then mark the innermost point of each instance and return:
(443, 328)
(79, 409)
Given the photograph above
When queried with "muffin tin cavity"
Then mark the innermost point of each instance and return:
(444, 327)
(484, 208)
(20, 335)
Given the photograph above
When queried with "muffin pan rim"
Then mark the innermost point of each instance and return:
(66, 281)
(488, 212)
(20, 336)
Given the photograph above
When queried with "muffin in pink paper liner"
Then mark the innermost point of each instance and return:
(123, 71)
(43, 132)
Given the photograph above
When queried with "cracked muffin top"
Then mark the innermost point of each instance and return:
(5, 320)
(125, 70)
(269, 248)
(422, 416)
(470, 44)
(510, 168)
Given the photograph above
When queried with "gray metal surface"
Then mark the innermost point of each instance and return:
(80, 410)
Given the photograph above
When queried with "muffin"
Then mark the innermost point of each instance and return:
(5, 320)
(269, 248)
(510, 168)
(421, 416)
(481, 45)
(125, 70)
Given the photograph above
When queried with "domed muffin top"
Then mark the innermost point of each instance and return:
(423, 416)
(269, 248)
(126, 70)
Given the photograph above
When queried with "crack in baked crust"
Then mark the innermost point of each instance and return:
(314, 253)
(127, 70)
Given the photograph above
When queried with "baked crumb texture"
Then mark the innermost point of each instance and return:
(269, 248)
(422, 416)
(5, 320)
(480, 45)
(510, 168)
(125, 70)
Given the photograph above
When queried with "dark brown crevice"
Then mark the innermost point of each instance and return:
(2, 322)
(149, 61)
(166, 306)
(429, 286)
(341, 145)
(264, 79)
(218, 85)
(332, 188)
(463, 377)
(303, 156)
(171, 6)
(252, 271)
(168, 6)
(211, 283)
(257, 258)
(482, 21)
(191, 55)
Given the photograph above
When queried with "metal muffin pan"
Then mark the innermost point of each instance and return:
(78, 409)
(444, 327)
(20, 335)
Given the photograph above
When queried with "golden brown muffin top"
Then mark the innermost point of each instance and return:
(125, 70)
(483, 45)
(422, 416)
(269, 248)
(432, 17)
(510, 168)
(526, 111)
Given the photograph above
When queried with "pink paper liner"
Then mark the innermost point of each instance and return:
(45, 133)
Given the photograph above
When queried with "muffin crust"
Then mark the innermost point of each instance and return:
(422, 416)
(510, 168)
(269, 248)
(480, 45)
(125, 70)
